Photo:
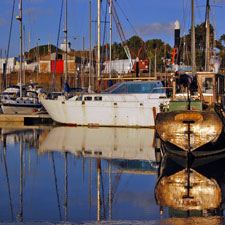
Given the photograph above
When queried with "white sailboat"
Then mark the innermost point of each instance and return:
(27, 102)
(127, 104)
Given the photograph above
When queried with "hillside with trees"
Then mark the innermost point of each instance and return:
(155, 50)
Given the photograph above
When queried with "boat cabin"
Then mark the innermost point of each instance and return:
(211, 86)
(136, 87)
(206, 88)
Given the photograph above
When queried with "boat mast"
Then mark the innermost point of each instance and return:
(193, 39)
(89, 88)
(110, 47)
(66, 36)
(207, 47)
(99, 43)
(21, 45)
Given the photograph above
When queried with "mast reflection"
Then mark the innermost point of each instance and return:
(111, 154)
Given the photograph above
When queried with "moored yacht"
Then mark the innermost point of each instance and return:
(29, 103)
(133, 103)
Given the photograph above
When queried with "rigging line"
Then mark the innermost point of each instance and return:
(214, 28)
(214, 19)
(185, 15)
(127, 18)
(9, 40)
(185, 12)
(199, 11)
(56, 186)
(56, 52)
(7, 178)
(104, 33)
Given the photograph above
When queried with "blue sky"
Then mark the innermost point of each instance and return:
(149, 18)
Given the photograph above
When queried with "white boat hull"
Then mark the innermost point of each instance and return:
(20, 108)
(104, 113)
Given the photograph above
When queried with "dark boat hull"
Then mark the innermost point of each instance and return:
(209, 149)
(199, 132)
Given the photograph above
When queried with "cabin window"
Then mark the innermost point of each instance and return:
(122, 89)
(140, 87)
(98, 98)
(207, 85)
(88, 98)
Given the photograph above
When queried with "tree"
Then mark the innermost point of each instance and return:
(221, 46)
(160, 49)
(135, 45)
(200, 40)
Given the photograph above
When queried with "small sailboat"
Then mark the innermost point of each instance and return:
(27, 102)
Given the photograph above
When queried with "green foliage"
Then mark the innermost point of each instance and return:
(41, 50)
(221, 46)
(155, 47)
(200, 40)
(146, 50)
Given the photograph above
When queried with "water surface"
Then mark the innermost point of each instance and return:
(89, 175)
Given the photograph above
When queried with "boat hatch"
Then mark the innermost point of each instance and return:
(188, 117)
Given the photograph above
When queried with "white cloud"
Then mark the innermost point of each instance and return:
(155, 29)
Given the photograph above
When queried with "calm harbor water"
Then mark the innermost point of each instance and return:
(102, 176)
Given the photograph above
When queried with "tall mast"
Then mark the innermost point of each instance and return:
(193, 39)
(110, 47)
(207, 47)
(21, 45)
(99, 42)
(89, 88)
(66, 34)
(24, 78)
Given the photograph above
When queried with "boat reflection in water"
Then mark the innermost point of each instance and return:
(127, 150)
(190, 187)
(78, 174)
(81, 174)
(106, 143)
